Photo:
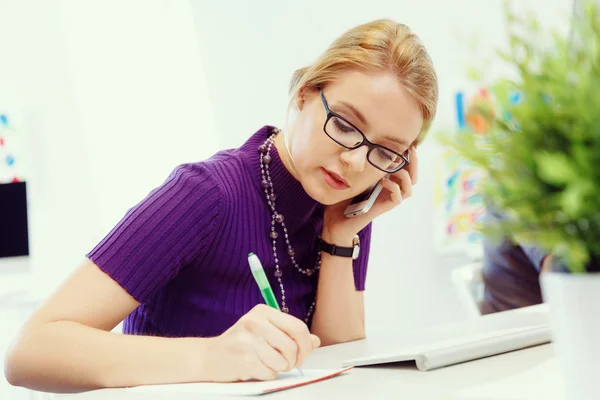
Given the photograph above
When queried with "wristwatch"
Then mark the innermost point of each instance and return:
(341, 251)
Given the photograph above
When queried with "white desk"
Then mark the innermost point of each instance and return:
(397, 382)
(383, 382)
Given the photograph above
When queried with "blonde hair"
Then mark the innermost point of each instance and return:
(377, 45)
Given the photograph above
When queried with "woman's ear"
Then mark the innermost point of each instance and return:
(300, 98)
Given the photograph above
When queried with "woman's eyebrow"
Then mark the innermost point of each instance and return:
(354, 111)
(396, 140)
(362, 119)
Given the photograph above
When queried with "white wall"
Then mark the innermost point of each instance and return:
(62, 214)
(251, 50)
(139, 85)
(113, 98)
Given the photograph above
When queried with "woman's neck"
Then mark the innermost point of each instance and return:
(285, 155)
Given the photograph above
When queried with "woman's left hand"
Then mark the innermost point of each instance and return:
(339, 229)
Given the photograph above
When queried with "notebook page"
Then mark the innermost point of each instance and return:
(284, 381)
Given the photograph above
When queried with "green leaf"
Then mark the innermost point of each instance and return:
(554, 168)
(574, 254)
(573, 198)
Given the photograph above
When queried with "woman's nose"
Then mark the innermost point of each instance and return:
(355, 159)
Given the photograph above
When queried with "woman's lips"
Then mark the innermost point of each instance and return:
(334, 180)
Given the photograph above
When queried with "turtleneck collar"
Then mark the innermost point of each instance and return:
(292, 201)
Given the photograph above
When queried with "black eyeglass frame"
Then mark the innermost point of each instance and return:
(365, 141)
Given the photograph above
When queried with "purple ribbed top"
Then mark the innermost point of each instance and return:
(182, 251)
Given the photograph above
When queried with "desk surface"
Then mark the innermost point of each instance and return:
(377, 382)
(393, 381)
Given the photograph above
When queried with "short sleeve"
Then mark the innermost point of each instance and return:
(535, 255)
(361, 263)
(173, 225)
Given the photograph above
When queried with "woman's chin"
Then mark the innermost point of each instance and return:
(326, 196)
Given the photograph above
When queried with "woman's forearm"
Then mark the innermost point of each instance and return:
(339, 313)
(66, 356)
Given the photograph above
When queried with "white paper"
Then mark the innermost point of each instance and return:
(283, 381)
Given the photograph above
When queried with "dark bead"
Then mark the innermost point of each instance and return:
(265, 184)
(278, 273)
(285, 310)
(273, 235)
(262, 148)
(291, 253)
(273, 197)
(279, 218)
(309, 272)
(267, 159)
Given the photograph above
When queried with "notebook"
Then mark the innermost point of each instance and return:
(284, 381)
(465, 341)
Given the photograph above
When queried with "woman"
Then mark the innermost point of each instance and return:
(175, 268)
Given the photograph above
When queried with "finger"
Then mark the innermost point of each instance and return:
(279, 341)
(251, 364)
(261, 371)
(316, 341)
(413, 165)
(271, 357)
(295, 329)
(394, 189)
(403, 179)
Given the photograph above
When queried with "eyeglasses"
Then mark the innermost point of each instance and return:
(347, 135)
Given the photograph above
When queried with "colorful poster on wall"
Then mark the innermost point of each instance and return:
(459, 205)
(12, 168)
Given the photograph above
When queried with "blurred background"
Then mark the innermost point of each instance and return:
(100, 100)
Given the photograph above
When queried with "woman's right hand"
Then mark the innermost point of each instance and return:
(261, 344)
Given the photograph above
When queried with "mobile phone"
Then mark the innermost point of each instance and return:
(362, 203)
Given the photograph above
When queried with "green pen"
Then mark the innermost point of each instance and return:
(263, 284)
(261, 279)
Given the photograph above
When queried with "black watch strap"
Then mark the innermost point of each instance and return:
(336, 250)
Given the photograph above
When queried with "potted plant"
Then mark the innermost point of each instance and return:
(541, 159)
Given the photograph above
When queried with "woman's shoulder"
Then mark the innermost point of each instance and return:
(225, 174)
(190, 178)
